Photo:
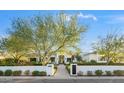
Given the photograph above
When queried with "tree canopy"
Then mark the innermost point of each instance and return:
(110, 47)
(46, 35)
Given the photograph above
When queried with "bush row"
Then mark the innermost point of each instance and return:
(93, 62)
(19, 73)
(11, 62)
(100, 73)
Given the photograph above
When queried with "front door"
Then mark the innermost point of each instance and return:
(61, 59)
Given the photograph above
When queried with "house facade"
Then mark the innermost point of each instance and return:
(58, 58)
(94, 56)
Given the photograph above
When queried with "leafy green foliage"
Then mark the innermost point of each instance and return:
(110, 47)
(118, 72)
(38, 73)
(27, 72)
(48, 34)
(98, 72)
(8, 72)
(1, 73)
(108, 73)
(42, 73)
(16, 73)
(68, 68)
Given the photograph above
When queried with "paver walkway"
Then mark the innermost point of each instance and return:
(61, 73)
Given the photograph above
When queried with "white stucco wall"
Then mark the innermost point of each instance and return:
(84, 69)
(47, 69)
(90, 57)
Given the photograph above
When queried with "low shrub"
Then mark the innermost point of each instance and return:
(68, 68)
(108, 73)
(98, 72)
(93, 62)
(17, 73)
(36, 63)
(27, 72)
(118, 72)
(42, 73)
(80, 73)
(1, 73)
(35, 73)
(8, 72)
(81, 63)
(89, 73)
(55, 67)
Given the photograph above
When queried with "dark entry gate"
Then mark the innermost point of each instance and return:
(73, 69)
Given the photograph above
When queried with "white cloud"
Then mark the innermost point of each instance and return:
(81, 15)
(87, 16)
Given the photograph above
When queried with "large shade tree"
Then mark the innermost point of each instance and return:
(14, 47)
(46, 35)
(110, 47)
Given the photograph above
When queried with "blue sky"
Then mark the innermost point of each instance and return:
(99, 22)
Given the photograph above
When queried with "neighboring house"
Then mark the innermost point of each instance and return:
(94, 56)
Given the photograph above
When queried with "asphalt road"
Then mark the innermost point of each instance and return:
(62, 81)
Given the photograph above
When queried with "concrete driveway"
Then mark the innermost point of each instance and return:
(61, 73)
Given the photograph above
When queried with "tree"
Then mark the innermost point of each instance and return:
(14, 46)
(110, 47)
(49, 34)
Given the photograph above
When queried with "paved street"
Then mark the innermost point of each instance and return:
(83, 80)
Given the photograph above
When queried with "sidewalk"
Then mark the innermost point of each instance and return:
(38, 77)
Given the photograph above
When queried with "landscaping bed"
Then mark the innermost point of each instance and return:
(9, 72)
(68, 68)
(11, 63)
(93, 63)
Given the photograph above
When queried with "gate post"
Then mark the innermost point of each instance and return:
(73, 70)
(50, 69)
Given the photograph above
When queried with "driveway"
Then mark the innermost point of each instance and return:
(61, 73)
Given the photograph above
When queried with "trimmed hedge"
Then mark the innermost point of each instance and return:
(1, 73)
(108, 73)
(17, 73)
(93, 62)
(118, 72)
(38, 73)
(42, 73)
(98, 72)
(35, 73)
(27, 72)
(8, 72)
